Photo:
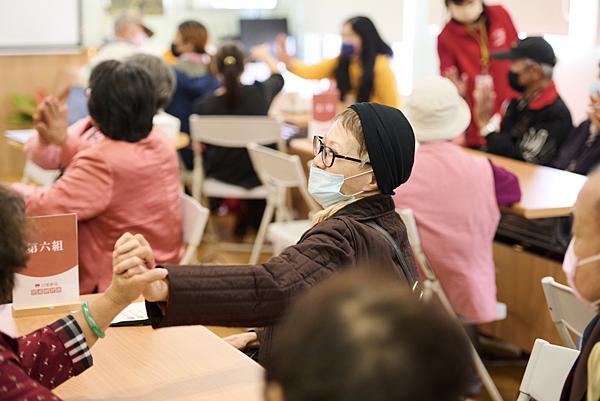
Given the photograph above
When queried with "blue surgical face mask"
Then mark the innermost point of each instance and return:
(595, 88)
(325, 187)
(347, 49)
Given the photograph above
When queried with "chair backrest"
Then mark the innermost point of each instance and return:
(33, 172)
(194, 218)
(546, 371)
(566, 310)
(235, 131)
(280, 170)
(415, 241)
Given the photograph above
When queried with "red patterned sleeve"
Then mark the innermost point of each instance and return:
(40, 361)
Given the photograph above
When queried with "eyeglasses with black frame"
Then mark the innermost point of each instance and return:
(328, 155)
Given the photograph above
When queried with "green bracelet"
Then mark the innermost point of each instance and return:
(90, 320)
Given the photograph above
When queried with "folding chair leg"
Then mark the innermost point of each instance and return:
(485, 376)
(262, 232)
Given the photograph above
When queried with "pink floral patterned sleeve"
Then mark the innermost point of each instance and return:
(34, 364)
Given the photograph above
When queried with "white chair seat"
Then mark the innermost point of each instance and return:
(213, 188)
(286, 233)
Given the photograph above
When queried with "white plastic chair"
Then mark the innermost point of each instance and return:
(546, 371)
(567, 312)
(194, 218)
(34, 173)
(279, 172)
(432, 285)
(229, 132)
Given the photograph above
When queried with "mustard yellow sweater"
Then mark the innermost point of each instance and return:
(385, 87)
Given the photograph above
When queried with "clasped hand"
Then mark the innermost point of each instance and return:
(134, 272)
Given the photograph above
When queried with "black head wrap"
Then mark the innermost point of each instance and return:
(390, 142)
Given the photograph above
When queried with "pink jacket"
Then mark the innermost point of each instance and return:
(453, 197)
(115, 187)
(80, 135)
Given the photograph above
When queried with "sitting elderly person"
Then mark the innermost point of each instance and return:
(129, 181)
(366, 155)
(63, 346)
(455, 197)
(362, 336)
(582, 267)
(580, 152)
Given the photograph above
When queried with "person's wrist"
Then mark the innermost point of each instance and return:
(487, 129)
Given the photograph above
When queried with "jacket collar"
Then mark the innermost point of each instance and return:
(368, 208)
(544, 98)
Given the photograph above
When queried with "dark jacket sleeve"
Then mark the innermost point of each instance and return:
(253, 295)
(507, 186)
(540, 143)
(271, 87)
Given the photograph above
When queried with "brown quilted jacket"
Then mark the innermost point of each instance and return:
(258, 295)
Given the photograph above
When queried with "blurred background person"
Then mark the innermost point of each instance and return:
(194, 77)
(129, 181)
(130, 35)
(464, 46)
(580, 151)
(362, 71)
(363, 336)
(455, 197)
(229, 165)
(165, 83)
(64, 345)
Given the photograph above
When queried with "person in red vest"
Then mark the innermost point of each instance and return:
(464, 46)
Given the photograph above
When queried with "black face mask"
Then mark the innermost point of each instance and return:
(174, 50)
(513, 81)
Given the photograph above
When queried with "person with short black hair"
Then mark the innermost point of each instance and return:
(536, 123)
(129, 181)
(362, 71)
(364, 336)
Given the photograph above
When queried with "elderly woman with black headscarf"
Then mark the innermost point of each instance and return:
(368, 152)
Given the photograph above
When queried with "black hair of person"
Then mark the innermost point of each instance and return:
(230, 63)
(122, 100)
(372, 45)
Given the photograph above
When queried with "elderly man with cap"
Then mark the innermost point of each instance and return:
(454, 197)
(582, 267)
(367, 154)
(536, 123)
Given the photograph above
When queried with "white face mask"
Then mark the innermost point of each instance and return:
(325, 187)
(467, 13)
(570, 265)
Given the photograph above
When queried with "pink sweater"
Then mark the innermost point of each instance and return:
(453, 197)
(115, 187)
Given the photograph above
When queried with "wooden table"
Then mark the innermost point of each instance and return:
(546, 192)
(139, 363)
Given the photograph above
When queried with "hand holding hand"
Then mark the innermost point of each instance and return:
(51, 121)
(132, 257)
(461, 81)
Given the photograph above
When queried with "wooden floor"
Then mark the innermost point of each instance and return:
(506, 374)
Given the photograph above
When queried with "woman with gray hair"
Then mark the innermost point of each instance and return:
(165, 83)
